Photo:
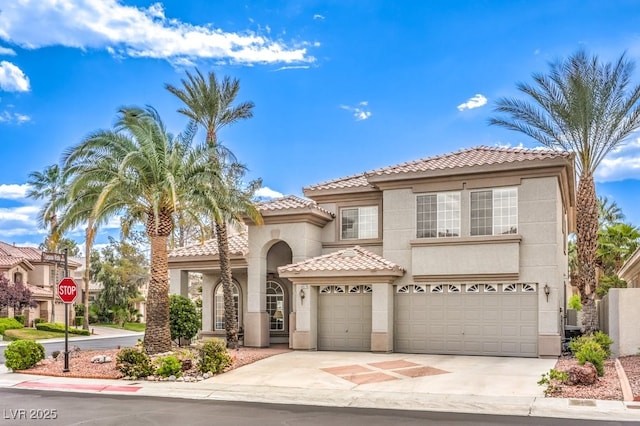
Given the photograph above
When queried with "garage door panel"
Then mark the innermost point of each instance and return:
(473, 322)
(344, 321)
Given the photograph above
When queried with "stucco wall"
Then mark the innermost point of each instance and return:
(622, 319)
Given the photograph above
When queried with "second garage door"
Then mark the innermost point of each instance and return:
(467, 319)
(344, 318)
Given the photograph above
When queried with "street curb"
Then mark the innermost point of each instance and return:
(627, 393)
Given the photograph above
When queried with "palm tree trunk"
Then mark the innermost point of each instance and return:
(230, 323)
(89, 235)
(157, 336)
(587, 244)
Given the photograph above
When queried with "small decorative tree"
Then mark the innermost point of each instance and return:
(184, 320)
(15, 295)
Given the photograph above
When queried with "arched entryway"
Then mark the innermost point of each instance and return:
(278, 292)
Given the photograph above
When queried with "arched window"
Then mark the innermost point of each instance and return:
(17, 277)
(275, 306)
(218, 301)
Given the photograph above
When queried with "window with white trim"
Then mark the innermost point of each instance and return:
(359, 223)
(494, 212)
(275, 306)
(438, 215)
(219, 306)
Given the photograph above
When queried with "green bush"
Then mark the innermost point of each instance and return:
(48, 326)
(9, 324)
(23, 354)
(37, 321)
(575, 303)
(184, 320)
(133, 362)
(553, 381)
(19, 318)
(592, 352)
(213, 356)
(77, 321)
(168, 366)
(604, 341)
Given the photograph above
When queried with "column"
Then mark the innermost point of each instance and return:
(382, 318)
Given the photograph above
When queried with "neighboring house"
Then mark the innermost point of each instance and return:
(463, 253)
(24, 264)
(630, 271)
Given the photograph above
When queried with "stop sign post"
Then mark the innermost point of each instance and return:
(67, 292)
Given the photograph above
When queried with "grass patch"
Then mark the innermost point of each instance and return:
(130, 326)
(31, 334)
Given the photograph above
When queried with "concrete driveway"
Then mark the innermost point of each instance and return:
(395, 373)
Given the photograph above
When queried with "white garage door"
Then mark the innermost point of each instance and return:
(344, 318)
(467, 319)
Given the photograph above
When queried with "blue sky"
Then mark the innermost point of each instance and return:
(340, 86)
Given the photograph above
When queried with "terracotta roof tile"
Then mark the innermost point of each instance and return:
(355, 181)
(238, 245)
(38, 291)
(9, 261)
(351, 259)
(477, 156)
(290, 202)
(470, 157)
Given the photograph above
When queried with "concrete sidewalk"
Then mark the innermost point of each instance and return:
(462, 384)
(96, 333)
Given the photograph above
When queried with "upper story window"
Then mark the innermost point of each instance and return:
(494, 212)
(359, 223)
(438, 215)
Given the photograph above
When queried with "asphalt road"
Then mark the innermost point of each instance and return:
(97, 343)
(22, 407)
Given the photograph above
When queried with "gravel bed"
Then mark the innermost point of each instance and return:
(80, 364)
(607, 387)
(631, 365)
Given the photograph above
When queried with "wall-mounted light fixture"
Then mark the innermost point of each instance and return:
(547, 290)
(302, 294)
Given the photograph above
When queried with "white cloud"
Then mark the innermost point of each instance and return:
(22, 214)
(475, 102)
(136, 32)
(12, 191)
(292, 67)
(621, 163)
(318, 16)
(12, 79)
(266, 192)
(7, 51)
(360, 111)
(13, 117)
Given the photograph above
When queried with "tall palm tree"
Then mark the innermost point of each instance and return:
(210, 103)
(50, 186)
(588, 107)
(154, 173)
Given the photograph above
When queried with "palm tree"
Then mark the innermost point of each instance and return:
(609, 213)
(50, 186)
(145, 174)
(587, 107)
(210, 104)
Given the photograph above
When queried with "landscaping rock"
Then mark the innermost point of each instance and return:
(583, 375)
(101, 359)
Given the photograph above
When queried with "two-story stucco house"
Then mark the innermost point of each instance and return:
(24, 265)
(463, 253)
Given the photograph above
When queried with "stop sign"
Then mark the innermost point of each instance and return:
(67, 290)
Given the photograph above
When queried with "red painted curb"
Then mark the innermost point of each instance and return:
(78, 386)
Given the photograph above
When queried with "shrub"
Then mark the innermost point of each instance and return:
(20, 318)
(9, 324)
(552, 380)
(184, 320)
(58, 327)
(133, 362)
(77, 321)
(575, 303)
(168, 366)
(604, 341)
(213, 356)
(23, 354)
(592, 352)
(37, 321)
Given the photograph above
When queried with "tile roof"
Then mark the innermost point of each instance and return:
(470, 157)
(38, 291)
(477, 156)
(352, 259)
(238, 245)
(355, 181)
(290, 202)
(10, 261)
(29, 254)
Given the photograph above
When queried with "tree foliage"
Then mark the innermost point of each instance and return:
(15, 295)
(184, 319)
